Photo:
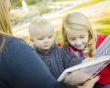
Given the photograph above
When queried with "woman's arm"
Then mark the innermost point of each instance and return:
(22, 68)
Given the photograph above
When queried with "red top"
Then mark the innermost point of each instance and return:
(100, 39)
(105, 73)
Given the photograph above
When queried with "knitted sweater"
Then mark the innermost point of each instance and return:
(58, 59)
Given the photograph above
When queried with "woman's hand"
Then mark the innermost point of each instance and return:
(90, 83)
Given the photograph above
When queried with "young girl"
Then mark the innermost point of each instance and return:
(80, 39)
(78, 34)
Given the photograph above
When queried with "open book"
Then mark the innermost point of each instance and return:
(79, 74)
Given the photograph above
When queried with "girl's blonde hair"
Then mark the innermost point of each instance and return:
(5, 22)
(78, 21)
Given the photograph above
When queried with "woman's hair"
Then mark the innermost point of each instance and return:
(78, 21)
(5, 22)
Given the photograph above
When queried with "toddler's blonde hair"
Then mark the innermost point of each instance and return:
(39, 22)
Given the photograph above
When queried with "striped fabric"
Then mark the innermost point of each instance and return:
(57, 59)
(104, 48)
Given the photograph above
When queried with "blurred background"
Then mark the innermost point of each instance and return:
(23, 11)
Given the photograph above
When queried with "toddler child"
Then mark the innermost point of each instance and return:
(41, 33)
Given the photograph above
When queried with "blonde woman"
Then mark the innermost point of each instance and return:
(20, 66)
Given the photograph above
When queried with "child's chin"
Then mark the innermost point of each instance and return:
(47, 48)
(81, 48)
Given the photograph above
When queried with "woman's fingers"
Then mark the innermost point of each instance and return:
(90, 83)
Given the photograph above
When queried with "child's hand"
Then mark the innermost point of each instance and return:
(87, 59)
(86, 52)
(90, 83)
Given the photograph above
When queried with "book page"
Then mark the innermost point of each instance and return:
(78, 74)
(82, 75)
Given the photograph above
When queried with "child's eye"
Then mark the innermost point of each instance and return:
(50, 36)
(72, 38)
(40, 38)
(82, 36)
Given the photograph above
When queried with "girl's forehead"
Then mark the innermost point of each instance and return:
(76, 32)
(74, 26)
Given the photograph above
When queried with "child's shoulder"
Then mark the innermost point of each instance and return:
(56, 47)
(66, 52)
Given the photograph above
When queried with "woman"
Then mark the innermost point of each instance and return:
(20, 67)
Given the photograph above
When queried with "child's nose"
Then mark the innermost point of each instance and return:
(46, 40)
(78, 42)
